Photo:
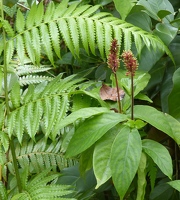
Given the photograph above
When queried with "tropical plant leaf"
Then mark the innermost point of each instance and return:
(160, 156)
(125, 158)
(90, 131)
(156, 119)
(93, 30)
(46, 104)
(101, 156)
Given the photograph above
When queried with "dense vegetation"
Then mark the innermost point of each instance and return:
(89, 99)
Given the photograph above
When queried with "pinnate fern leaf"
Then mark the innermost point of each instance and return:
(39, 187)
(39, 156)
(75, 25)
(46, 104)
(33, 79)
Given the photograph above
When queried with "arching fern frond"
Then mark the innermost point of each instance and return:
(42, 187)
(38, 156)
(25, 71)
(46, 104)
(33, 79)
(76, 25)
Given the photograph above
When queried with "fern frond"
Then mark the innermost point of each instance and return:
(3, 191)
(47, 103)
(33, 79)
(42, 187)
(39, 156)
(76, 24)
(30, 69)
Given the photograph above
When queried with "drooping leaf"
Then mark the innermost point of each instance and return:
(160, 156)
(82, 114)
(125, 158)
(101, 156)
(92, 130)
(154, 117)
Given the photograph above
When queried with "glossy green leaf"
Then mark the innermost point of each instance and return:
(160, 156)
(175, 184)
(92, 130)
(101, 156)
(165, 32)
(152, 8)
(82, 114)
(153, 117)
(125, 158)
(174, 106)
(175, 126)
(141, 20)
(123, 7)
(163, 13)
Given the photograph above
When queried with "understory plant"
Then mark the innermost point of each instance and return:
(71, 114)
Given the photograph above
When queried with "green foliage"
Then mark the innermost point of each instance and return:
(45, 114)
(44, 31)
(46, 104)
(39, 188)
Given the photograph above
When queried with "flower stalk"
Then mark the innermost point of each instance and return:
(131, 65)
(113, 64)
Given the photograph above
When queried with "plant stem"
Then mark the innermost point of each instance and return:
(132, 97)
(118, 95)
(15, 165)
(7, 103)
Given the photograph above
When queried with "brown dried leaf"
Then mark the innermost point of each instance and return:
(108, 93)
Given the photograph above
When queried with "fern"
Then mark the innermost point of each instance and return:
(46, 104)
(38, 157)
(74, 24)
(41, 187)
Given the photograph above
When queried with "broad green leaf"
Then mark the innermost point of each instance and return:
(153, 117)
(82, 114)
(152, 8)
(175, 126)
(125, 158)
(92, 130)
(141, 20)
(175, 184)
(101, 156)
(160, 156)
(142, 178)
(140, 81)
(163, 13)
(174, 106)
(123, 7)
(166, 32)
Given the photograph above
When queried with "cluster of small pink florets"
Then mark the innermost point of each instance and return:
(128, 58)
